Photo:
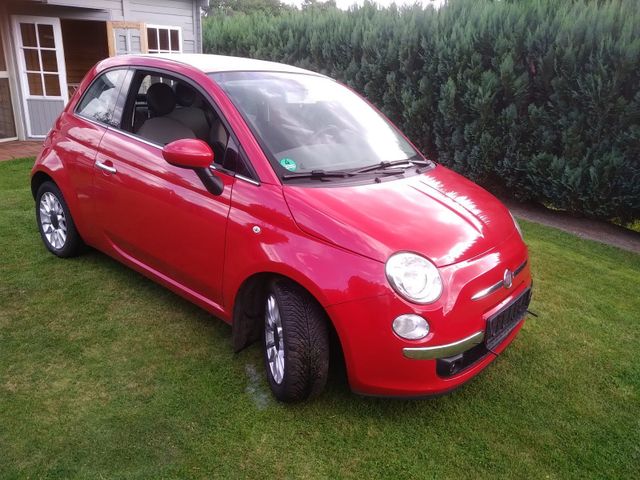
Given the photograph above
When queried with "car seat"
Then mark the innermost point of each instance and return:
(188, 113)
(161, 128)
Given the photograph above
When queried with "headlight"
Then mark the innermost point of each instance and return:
(515, 222)
(414, 277)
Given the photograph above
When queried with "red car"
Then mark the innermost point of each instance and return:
(285, 204)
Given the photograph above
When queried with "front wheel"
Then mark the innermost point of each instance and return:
(296, 342)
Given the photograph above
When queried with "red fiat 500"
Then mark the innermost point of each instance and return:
(285, 204)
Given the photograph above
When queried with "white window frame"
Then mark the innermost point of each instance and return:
(168, 28)
(62, 72)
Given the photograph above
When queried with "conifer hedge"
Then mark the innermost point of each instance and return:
(536, 99)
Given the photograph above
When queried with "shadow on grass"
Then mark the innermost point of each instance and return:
(337, 397)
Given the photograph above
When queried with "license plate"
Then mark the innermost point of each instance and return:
(500, 324)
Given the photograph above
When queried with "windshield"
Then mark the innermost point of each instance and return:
(307, 122)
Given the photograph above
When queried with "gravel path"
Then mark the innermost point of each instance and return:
(583, 227)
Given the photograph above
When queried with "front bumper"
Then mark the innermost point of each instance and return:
(382, 364)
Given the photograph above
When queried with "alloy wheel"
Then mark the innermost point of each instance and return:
(53, 220)
(274, 341)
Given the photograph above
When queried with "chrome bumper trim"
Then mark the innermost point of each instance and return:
(443, 351)
(487, 291)
(498, 285)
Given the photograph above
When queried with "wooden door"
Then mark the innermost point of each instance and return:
(126, 38)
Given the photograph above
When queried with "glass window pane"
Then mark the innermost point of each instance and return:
(28, 32)
(49, 60)
(35, 84)
(45, 35)
(100, 100)
(52, 85)
(175, 41)
(121, 42)
(7, 127)
(164, 39)
(31, 59)
(152, 38)
(136, 46)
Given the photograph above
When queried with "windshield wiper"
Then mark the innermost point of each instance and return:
(325, 174)
(395, 163)
(320, 174)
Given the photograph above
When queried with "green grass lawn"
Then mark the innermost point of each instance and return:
(104, 374)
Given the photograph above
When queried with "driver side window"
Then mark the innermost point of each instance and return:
(164, 109)
(164, 112)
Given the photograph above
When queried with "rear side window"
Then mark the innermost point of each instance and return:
(99, 102)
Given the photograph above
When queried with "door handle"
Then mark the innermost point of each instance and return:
(105, 167)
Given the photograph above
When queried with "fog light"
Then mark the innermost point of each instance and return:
(411, 327)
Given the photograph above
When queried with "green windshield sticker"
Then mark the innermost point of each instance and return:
(289, 164)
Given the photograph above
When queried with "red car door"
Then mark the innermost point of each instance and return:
(78, 133)
(158, 217)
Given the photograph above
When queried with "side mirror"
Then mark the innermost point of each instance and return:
(196, 155)
(188, 153)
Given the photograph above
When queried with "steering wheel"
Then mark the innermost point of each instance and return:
(327, 131)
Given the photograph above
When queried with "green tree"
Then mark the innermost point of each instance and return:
(230, 7)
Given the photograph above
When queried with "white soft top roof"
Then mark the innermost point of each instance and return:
(220, 63)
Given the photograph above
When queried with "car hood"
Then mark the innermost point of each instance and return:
(438, 214)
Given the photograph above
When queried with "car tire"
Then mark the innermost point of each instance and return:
(57, 229)
(296, 342)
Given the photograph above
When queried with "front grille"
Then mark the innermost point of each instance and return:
(500, 325)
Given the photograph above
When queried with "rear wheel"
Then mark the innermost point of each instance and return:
(296, 342)
(56, 226)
